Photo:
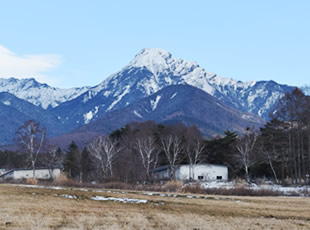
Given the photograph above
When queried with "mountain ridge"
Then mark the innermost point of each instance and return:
(151, 70)
(173, 104)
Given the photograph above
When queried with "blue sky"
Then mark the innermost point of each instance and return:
(69, 43)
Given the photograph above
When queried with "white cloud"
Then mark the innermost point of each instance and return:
(27, 66)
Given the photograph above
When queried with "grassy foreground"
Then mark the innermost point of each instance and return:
(44, 208)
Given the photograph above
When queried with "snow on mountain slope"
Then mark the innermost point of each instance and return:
(174, 104)
(150, 71)
(37, 93)
(154, 68)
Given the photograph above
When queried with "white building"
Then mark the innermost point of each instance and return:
(40, 173)
(2, 171)
(199, 172)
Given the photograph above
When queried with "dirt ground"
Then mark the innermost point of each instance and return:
(55, 208)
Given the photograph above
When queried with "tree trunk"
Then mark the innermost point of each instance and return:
(273, 171)
(247, 174)
(33, 169)
(282, 169)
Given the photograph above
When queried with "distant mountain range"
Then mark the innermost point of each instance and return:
(154, 86)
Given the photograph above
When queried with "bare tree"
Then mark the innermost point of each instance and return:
(149, 154)
(172, 147)
(104, 150)
(31, 136)
(245, 146)
(53, 158)
(193, 154)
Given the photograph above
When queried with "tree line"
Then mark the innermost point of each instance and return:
(279, 151)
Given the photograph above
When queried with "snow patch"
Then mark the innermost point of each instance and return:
(122, 200)
(137, 114)
(173, 95)
(89, 116)
(40, 186)
(155, 103)
(7, 102)
(287, 191)
(68, 196)
(119, 98)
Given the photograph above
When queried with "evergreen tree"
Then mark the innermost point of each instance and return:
(86, 165)
(71, 161)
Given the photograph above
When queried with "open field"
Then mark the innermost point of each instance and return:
(64, 208)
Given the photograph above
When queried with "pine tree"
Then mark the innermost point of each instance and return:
(71, 161)
(86, 165)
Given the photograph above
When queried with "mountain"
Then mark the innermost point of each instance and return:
(174, 104)
(154, 69)
(37, 93)
(14, 112)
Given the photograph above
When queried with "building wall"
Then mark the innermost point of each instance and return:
(202, 172)
(39, 174)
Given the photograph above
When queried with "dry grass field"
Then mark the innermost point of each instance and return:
(47, 208)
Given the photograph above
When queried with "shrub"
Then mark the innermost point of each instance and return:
(193, 188)
(242, 191)
(31, 181)
(118, 185)
(173, 186)
(63, 180)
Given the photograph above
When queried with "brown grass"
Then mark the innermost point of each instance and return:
(173, 186)
(34, 208)
(194, 188)
(31, 181)
(63, 180)
(242, 191)
(169, 186)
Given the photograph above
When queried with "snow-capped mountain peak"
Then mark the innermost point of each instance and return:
(37, 93)
(151, 56)
(158, 60)
(154, 68)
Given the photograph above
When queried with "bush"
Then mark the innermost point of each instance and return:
(173, 186)
(63, 180)
(193, 188)
(118, 185)
(241, 191)
(31, 181)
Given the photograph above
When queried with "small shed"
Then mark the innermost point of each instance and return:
(198, 172)
(2, 171)
(40, 173)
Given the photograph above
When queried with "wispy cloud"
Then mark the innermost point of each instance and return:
(27, 66)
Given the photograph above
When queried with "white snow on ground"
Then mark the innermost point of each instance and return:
(68, 196)
(287, 191)
(40, 186)
(155, 103)
(122, 200)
